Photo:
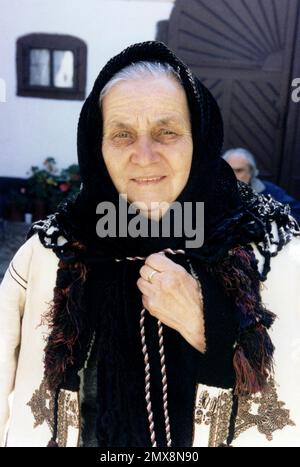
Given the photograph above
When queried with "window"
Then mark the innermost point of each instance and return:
(51, 66)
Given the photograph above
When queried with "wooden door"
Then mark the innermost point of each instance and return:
(244, 51)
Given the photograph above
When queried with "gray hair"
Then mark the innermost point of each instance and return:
(139, 70)
(245, 154)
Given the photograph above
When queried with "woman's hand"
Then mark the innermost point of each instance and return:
(173, 297)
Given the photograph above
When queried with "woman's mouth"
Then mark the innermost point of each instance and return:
(148, 180)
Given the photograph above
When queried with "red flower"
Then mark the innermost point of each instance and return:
(64, 187)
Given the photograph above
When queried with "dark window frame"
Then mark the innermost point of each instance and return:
(51, 42)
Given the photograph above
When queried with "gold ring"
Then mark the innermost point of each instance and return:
(151, 275)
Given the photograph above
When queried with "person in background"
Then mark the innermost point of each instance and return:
(244, 166)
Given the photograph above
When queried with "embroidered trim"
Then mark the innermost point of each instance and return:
(263, 411)
(68, 415)
(42, 405)
(42, 408)
(215, 411)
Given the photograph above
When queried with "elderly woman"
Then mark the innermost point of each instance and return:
(132, 340)
(244, 166)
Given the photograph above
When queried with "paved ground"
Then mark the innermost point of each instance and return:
(12, 236)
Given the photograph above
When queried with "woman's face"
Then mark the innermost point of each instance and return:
(147, 140)
(241, 167)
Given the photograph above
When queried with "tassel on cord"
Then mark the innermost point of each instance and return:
(253, 356)
(253, 360)
(52, 444)
(65, 318)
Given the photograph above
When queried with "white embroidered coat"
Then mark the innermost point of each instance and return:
(25, 294)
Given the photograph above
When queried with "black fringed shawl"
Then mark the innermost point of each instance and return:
(96, 308)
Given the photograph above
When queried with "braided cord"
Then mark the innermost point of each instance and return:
(164, 383)
(147, 364)
(147, 379)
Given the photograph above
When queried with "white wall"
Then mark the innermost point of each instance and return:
(32, 129)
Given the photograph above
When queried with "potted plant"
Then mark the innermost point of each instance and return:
(48, 187)
(41, 184)
(68, 183)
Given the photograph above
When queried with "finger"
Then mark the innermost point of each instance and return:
(160, 262)
(146, 304)
(145, 272)
(145, 286)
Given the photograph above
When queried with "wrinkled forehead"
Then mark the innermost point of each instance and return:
(160, 99)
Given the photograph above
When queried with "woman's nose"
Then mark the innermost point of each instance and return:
(143, 152)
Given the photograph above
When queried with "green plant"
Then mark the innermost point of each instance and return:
(42, 182)
(51, 186)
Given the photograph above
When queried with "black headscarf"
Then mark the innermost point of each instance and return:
(95, 318)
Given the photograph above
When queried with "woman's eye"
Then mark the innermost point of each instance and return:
(167, 132)
(122, 135)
